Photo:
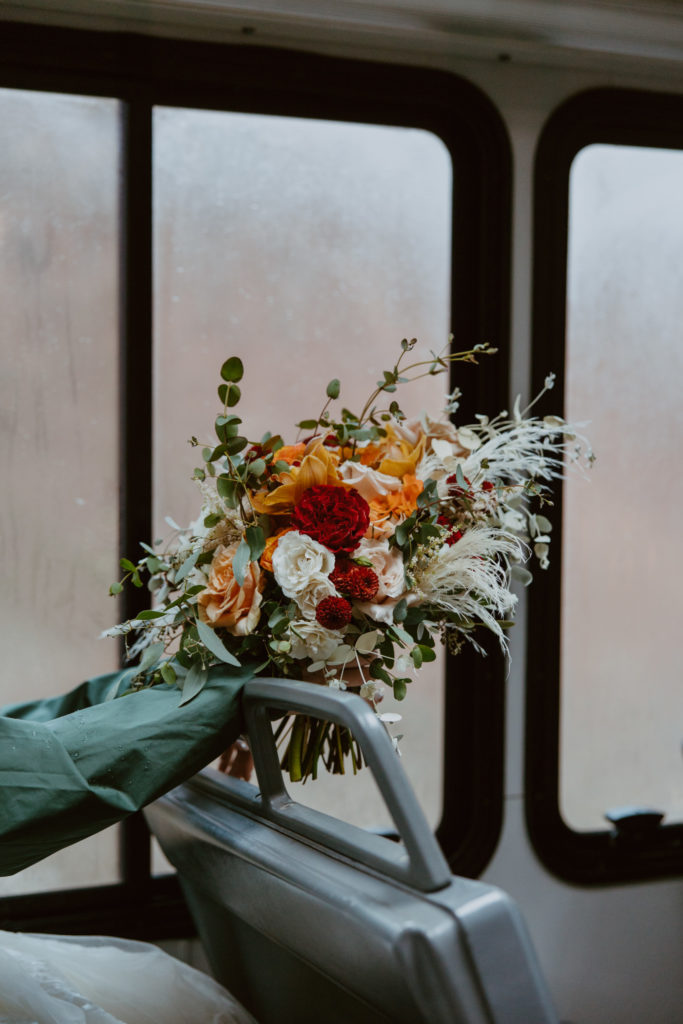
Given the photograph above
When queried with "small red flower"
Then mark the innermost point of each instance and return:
(487, 485)
(456, 491)
(333, 612)
(358, 581)
(454, 533)
(334, 516)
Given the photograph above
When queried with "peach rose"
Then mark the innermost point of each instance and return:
(224, 603)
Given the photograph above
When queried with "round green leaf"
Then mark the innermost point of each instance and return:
(232, 369)
(234, 395)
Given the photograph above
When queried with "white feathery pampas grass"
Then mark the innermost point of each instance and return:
(518, 450)
(470, 578)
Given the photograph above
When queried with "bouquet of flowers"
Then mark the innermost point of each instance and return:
(346, 556)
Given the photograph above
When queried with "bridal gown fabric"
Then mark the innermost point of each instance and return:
(89, 980)
(73, 765)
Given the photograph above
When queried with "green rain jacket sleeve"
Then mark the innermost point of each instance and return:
(73, 765)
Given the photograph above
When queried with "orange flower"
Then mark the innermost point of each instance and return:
(266, 559)
(318, 466)
(399, 503)
(290, 453)
(224, 603)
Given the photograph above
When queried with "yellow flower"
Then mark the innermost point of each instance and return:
(402, 456)
(224, 603)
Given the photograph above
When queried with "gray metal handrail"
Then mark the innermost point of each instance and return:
(420, 863)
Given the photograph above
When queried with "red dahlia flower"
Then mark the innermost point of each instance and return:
(358, 581)
(334, 516)
(333, 612)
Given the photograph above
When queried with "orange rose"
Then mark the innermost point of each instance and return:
(266, 559)
(224, 603)
(397, 503)
(290, 453)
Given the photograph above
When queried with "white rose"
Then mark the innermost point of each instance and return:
(383, 611)
(311, 640)
(387, 563)
(317, 588)
(296, 559)
(369, 482)
(408, 430)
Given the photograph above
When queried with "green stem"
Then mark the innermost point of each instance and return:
(295, 748)
(340, 753)
(313, 750)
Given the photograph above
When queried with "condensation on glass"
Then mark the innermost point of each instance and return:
(59, 211)
(622, 700)
(310, 249)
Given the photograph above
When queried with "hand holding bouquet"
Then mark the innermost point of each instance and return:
(346, 555)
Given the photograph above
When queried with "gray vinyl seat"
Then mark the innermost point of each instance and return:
(305, 918)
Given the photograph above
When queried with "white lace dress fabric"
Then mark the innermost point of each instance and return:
(48, 979)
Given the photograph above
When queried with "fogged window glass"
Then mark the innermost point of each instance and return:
(309, 249)
(622, 699)
(58, 413)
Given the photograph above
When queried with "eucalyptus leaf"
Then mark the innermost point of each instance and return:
(187, 566)
(257, 468)
(232, 369)
(150, 656)
(276, 616)
(341, 655)
(399, 689)
(240, 561)
(168, 673)
(234, 395)
(401, 634)
(378, 672)
(226, 487)
(193, 684)
(257, 542)
(333, 389)
(366, 643)
(236, 444)
(214, 644)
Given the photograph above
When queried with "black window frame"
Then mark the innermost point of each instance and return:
(599, 857)
(143, 72)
